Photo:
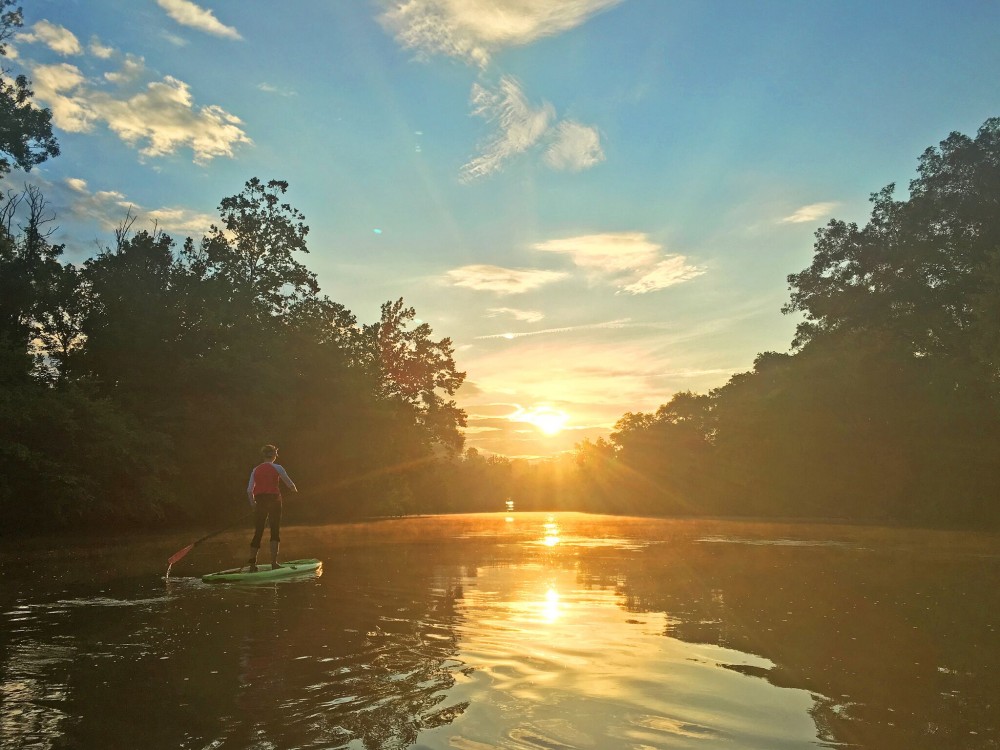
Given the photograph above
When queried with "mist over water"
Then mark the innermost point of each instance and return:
(510, 631)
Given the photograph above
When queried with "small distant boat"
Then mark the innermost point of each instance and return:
(510, 506)
(266, 572)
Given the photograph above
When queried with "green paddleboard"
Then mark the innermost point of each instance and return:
(265, 572)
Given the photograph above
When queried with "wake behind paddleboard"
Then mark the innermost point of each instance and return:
(265, 572)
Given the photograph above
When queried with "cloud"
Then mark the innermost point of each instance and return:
(107, 208)
(53, 36)
(527, 316)
(53, 85)
(520, 126)
(692, 372)
(494, 410)
(812, 212)
(174, 39)
(158, 120)
(629, 260)
(180, 220)
(620, 323)
(612, 252)
(194, 16)
(269, 88)
(472, 30)
(501, 280)
(598, 373)
(576, 147)
(132, 69)
(100, 50)
(164, 119)
(674, 270)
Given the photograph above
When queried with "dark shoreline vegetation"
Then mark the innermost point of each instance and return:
(136, 387)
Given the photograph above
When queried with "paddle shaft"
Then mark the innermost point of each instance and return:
(181, 553)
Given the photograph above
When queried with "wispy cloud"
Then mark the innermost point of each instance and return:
(269, 88)
(526, 316)
(107, 208)
(57, 38)
(620, 323)
(598, 374)
(174, 39)
(488, 278)
(612, 252)
(575, 147)
(132, 69)
(159, 120)
(472, 30)
(812, 212)
(628, 260)
(670, 272)
(194, 16)
(521, 126)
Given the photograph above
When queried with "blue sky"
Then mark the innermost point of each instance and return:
(598, 201)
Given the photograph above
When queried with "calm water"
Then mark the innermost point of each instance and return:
(509, 631)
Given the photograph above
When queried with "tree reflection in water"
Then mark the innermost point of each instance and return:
(372, 661)
(468, 632)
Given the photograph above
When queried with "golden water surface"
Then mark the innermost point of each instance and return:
(509, 631)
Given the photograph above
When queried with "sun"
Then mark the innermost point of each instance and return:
(550, 421)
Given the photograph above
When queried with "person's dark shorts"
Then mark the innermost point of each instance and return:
(266, 507)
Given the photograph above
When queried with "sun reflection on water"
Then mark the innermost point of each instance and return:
(551, 532)
(542, 642)
(551, 609)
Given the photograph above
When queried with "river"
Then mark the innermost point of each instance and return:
(516, 631)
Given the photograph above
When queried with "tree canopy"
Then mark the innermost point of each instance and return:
(26, 138)
(887, 406)
(160, 369)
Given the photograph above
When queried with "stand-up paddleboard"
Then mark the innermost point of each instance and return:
(265, 572)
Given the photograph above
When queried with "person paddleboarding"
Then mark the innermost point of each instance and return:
(264, 492)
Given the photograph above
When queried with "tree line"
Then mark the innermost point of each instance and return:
(886, 407)
(136, 387)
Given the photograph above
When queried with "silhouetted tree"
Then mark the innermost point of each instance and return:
(254, 251)
(26, 138)
(921, 269)
(416, 373)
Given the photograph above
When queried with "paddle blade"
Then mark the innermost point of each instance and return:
(178, 555)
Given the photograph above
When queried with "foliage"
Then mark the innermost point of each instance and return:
(920, 268)
(253, 254)
(409, 369)
(214, 349)
(26, 138)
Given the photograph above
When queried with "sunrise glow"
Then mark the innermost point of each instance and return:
(548, 420)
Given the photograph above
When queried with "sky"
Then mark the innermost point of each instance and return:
(597, 201)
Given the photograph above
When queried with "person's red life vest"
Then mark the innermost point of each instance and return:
(265, 480)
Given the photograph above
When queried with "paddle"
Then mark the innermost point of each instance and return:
(181, 553)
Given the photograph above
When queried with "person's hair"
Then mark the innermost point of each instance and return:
(269, 450)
